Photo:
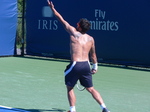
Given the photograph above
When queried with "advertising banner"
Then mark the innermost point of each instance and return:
(120, 29)
(8, 26)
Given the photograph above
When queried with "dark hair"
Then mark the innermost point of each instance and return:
(84, 25)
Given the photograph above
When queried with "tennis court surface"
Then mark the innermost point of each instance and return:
(32, 84)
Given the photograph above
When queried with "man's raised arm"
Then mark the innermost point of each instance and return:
(66, 25)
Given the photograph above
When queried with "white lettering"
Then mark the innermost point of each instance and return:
(47, 24)
(100, 14)
(55, 27)
(39, 24)
(102, 24)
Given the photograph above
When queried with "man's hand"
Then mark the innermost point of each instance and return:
(94, 68)
(93, 71)
(50, 4)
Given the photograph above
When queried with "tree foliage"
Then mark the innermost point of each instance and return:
(20, 6)
(19, 29)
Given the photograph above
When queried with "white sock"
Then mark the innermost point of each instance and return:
(103, 106)
(72, 109)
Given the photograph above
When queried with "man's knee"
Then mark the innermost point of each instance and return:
(90, 89)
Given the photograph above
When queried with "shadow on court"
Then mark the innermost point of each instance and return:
(60, 59)
(128, 66)
(2, 109)
(44, 110)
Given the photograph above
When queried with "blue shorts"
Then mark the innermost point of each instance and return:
(78, 71)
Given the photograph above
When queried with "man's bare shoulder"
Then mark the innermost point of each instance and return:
(90, 38)
(71, 30)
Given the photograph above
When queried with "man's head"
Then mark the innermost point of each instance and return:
(83, 25)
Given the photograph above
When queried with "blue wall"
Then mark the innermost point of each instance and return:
(121, 29)
(8, 25)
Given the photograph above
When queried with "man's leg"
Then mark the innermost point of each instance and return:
(71, 98)
(96, 95)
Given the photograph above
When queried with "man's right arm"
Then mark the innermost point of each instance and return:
(66, 25)
(93, 57)
(93, 53)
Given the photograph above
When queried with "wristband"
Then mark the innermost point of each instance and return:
(95, 67)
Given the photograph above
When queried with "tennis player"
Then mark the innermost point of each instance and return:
(81, 45)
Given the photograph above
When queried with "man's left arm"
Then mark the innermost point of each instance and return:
(66, 25)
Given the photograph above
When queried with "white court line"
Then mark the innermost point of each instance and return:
(13, 109)
(6, 107)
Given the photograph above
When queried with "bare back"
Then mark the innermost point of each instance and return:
(80, 45)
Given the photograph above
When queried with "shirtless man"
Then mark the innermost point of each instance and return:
(81, 45)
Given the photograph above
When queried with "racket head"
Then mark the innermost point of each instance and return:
(79, 86)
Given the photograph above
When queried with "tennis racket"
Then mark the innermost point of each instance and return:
(79, 86)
